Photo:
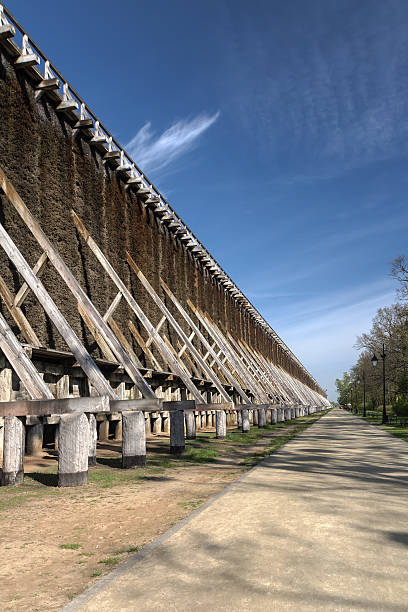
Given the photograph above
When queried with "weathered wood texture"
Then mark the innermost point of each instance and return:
(13, 451)
(133, 439)
(62, 171)
(73, 449)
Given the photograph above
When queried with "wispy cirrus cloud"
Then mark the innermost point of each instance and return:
(154, 152)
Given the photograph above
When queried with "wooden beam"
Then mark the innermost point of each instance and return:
(104, 346)
(84, 359)
(18, 315)
(139, 339)
(121, 355)
(25, 289)
(109, 313)
(157, 300)
(233, 360)
(135, 307)
(158, 328)
(124, 341)
(42, 407)
(21, 364)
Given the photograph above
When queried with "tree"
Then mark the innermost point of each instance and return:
(343, 386)
(399, 270)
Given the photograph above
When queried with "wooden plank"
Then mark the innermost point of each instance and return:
(73, 285)
(42, 407)
(183, 348)
(139, 339)
(104, 346)
(159, 302)
(18, 315)
(158, 328)
(233, 360)
(256, 372)
(124, 342)
(135, 307)
(142, 404)
(81, 354)
(111, 310)
(24, 289)
(21, 364)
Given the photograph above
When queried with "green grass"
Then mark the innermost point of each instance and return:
(96, 573)
(70, 546)
(191, 504)
(110, 561)
(199, 455)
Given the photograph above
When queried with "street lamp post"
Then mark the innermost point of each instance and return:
(374, 361)
(364, 392)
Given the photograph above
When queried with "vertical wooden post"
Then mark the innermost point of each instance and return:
(177, 443)
(274, 416)
(221, 424)
(191, 430)
(245, 421)
(35, 431)
(239, 418)
(13, 451)
(133, 439)
(104, 429)
(118, 429)
(255, 416)
(73, 450)
(92, 439)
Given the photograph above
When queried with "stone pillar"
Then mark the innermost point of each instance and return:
(297, 412)
(73, 450)
(221, 424)
(255, 416)
(133, 439)
(118, 429)
(156, 422)
(104, 430)
(190, 425)
(1, 435)
(279, 415)
(13, 451)
(177, 443)
(35, 432)
(245, 421)
(274, 416)
(166, 422)
(261, 417)
(93, 436)
(239, 418)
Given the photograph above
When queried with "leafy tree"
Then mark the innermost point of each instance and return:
(343, 386)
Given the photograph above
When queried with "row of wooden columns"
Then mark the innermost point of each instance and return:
(77, 435)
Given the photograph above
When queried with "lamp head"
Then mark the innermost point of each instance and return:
(374, 360)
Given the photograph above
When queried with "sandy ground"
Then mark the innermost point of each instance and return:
(55, 542)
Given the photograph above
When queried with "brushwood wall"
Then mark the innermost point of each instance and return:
(55, 170)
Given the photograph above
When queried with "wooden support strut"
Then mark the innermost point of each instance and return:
(208, 347)
(81, 354)
(124, 359)
(135, 307)
(160, 304)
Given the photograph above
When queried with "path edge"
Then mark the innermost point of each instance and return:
(99, 585)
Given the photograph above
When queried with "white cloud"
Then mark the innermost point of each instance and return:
(152, 152)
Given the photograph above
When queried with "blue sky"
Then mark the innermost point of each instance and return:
(277, 130)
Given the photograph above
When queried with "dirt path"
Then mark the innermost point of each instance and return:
(56, 542)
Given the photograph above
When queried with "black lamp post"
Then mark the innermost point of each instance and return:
(374, 361)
